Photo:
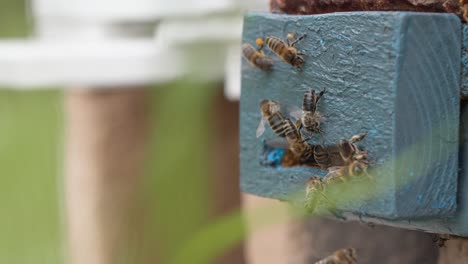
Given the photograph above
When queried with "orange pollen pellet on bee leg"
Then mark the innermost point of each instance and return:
(259, 41)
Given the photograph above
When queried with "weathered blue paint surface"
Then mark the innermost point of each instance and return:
(456, 225)
(393, 74)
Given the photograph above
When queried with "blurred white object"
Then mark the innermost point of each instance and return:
(116, 43)
(36, 64)
(136, 10)
(232, 82)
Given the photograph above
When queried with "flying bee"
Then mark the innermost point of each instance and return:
(256, 57)
(286, 51)
(310, 119)
(342, 256)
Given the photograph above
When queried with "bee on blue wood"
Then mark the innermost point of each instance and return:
(354, 161)
(287, 51)
(342, 256)
(256, 57)
(308, 117)
(297, 144)
(323, 156)
(285, 128)
(343, 162)
(271, 114)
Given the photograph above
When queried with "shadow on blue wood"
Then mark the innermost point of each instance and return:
(395, 75)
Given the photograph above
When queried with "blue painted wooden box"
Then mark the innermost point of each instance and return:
(395, 75)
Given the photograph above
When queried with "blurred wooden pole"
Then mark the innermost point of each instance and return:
(226, 192)
(105, 146)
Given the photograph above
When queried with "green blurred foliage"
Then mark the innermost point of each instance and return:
(31, 128)
(14, 18)
(30, 152)
(177, 185)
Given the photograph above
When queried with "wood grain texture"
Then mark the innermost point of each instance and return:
(225, 193)
(379, 69)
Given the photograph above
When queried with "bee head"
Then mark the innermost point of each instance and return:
(268, 107)
(297, 61)
(265, 106)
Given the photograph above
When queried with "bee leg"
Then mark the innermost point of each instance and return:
(292, 44)
(357, 138)
(290, 36)
(346, 149)
(260, 48)
(299, 124)
(321, 93)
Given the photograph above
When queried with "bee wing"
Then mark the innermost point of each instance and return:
(292, 110)
(261, 127)
(296, 114)
(334, 168)
(280, 143)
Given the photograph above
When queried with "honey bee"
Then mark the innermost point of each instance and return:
(287, 52)
(315, 196)
(342, 256)
(322, 156)
(284, 127)
(270, 111)
(297, 144)
(256, 57)
(310, 119)
(354, 161)
(314, 193)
